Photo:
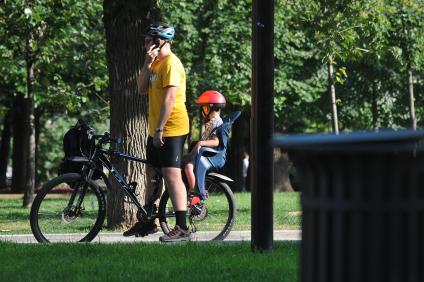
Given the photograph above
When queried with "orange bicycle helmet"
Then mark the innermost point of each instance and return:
(213, 100)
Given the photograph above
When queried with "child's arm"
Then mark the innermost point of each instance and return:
(213, 142)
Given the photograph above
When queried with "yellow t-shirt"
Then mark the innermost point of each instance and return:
(169, 71)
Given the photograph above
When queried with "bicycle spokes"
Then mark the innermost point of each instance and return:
(213, 217)
(67, 211)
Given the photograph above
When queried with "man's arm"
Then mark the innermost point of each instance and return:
(143, 78)
(169, 95)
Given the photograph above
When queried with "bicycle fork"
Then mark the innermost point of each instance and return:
(76, 209)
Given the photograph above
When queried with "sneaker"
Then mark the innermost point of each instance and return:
(141, 229)
(176, 235)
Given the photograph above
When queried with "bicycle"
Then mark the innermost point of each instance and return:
(72, 206)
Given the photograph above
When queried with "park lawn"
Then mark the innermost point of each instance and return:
(14, 219)
(148, 262)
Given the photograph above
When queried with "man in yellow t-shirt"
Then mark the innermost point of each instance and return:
(163, 79)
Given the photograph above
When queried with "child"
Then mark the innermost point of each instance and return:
(211, 103)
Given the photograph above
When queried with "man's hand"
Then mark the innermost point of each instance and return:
(158, 139)
(151, 54)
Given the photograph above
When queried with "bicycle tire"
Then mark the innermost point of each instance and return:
(217, 223)
(52, 204)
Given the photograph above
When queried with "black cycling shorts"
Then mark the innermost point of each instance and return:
(169, 155)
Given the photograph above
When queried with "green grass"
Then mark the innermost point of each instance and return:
(147, 262)
(286, 211)
(14, 219)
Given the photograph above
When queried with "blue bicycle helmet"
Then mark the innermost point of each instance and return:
(161, 30)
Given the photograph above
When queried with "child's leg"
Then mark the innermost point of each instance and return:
(191, 178)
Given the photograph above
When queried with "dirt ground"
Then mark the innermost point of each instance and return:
(11, 196)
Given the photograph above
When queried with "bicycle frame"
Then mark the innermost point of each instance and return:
(99, 153)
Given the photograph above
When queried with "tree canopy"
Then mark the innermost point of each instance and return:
(372, 45)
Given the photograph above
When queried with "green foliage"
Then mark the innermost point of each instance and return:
(69, 52)
(371, 43)
(299, 75)
(70, 66)
(406, 29)
(214, 49)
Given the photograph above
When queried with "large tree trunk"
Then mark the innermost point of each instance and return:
(282, 166)
(411, 99)
(19, 145)
(6, 137)
(332, 93)
(125, 23)
(30, 127)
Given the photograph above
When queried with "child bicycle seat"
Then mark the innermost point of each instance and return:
(215, 158)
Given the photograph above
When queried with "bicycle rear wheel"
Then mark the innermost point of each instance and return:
(56, 215)
(211, 220)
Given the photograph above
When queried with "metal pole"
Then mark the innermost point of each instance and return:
(262, 124)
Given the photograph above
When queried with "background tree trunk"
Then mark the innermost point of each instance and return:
(6, 137)
(19, 145)
(239, 144)
(125, 23)
(332, 93)
(411, 99)
(282, 166)
(30, 126)
(37, 125)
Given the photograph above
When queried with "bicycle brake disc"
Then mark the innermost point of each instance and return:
(198, 212)
(68, 215)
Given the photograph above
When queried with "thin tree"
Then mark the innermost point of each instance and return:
(406, 34)
(29, 123)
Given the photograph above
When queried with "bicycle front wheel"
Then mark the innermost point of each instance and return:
(211, 220)
(68, 209)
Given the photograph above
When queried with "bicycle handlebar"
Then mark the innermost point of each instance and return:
(106, 138)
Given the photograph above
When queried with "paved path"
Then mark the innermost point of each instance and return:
(234, 236)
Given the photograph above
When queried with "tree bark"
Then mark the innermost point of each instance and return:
(282, 166)
(37, 139)
(332, 93)
(30, 126)
(6, 137)
(125, 23)
(411, 99)
(19, 163)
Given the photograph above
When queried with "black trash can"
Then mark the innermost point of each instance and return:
(363, 205)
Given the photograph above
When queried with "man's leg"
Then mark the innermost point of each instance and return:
(151, 186)
(146, 228)
(176, 188)
(141, 229)
(178, 195)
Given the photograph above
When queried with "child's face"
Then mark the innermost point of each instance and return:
(205, 111)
